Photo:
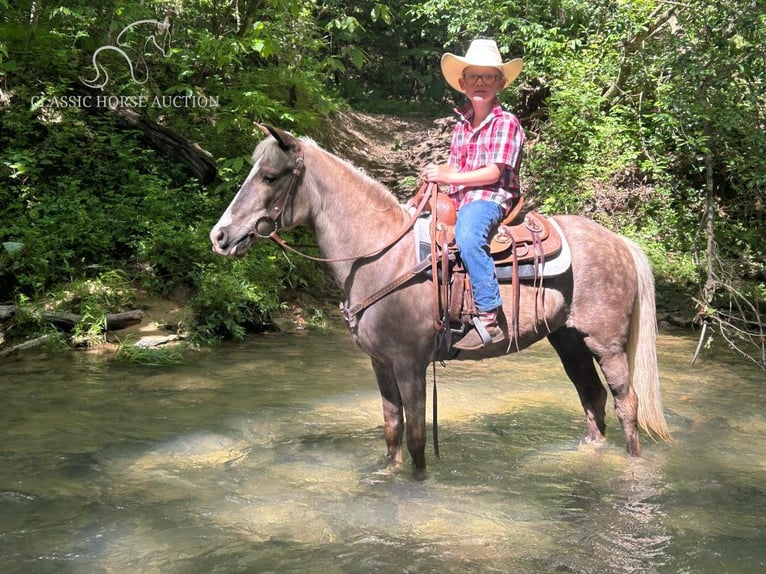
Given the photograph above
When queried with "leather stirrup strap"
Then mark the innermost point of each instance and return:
(435, 261)
(486, 338)
(539, 263)
(445, 278)
(516, 298)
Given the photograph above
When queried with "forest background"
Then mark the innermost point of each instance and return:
(646, 115)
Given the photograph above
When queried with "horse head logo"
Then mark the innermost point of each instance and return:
(159, 30)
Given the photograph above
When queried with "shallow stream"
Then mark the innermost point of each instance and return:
(267, 456)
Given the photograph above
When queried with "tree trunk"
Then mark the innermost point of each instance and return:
(711, 281)
(173, 144)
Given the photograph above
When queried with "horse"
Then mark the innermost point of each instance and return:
(600, 311)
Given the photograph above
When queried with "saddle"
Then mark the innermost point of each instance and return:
(520, 243)
(517, 241)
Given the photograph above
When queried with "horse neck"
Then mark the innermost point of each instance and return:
(352, 215)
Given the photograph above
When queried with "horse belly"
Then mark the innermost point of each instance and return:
(399, 328)
(541, 311)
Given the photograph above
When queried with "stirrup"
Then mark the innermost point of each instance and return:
(486, 338)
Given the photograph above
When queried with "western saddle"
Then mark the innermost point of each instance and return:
(527, 239)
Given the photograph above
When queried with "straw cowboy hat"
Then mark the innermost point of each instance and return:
(480, 53)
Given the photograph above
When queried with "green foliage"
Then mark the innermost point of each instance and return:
(81, 194)
(318, 321)
(229, 301)
(26, 322)
(110, 291)
(621, 101)
(150, 356)
(72, 212)
(91, 299)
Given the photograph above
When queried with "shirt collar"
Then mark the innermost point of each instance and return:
(465, 113)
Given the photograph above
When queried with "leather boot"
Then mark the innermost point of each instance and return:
(486, 332)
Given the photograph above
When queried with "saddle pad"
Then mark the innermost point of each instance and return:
(553, 265)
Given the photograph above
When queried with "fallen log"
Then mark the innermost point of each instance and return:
(175, 145)
(67, 321)
(25, 345)
(154, 341)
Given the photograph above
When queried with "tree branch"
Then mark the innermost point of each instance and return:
(632, 45)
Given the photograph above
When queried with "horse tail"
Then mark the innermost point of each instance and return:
(642, 350)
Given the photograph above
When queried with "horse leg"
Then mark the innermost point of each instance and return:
(580, 368)
(615, 368)
(411, 381)
(393, 416)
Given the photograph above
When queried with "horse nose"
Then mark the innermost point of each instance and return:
(220, 239)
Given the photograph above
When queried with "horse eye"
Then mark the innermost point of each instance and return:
(268, 178)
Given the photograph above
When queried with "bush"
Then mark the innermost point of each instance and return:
(228, 302)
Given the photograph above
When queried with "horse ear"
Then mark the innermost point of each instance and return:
(284, 139)
(264, 129)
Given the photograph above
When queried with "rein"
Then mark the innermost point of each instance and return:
(349, 313)
(281, 242)
(266, 228)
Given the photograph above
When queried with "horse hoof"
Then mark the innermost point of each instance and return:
(421, 474)
(594, 440)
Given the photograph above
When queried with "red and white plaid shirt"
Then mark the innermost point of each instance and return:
(499, 139)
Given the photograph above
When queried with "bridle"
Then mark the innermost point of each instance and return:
(266, 227)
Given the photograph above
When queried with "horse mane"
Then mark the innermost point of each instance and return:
(376, 193)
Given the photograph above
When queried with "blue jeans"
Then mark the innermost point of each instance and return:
(475, 221)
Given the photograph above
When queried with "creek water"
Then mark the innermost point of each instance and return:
(267, 456)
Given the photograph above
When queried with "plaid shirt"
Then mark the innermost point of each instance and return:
(498, 139)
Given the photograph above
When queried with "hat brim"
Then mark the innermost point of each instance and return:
(453, 66)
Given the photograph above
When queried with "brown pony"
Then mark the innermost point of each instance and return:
(602, 308)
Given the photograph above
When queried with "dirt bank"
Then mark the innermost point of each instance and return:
(389, 148)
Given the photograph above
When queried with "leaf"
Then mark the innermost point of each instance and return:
(358, 57)
(13, 246)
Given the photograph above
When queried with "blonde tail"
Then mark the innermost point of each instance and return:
(642, 351)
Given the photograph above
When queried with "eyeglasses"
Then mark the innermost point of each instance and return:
(488, 79)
